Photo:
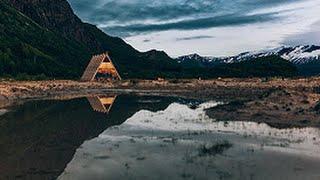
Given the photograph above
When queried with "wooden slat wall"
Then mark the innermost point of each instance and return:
(92, 68)
(97, 105)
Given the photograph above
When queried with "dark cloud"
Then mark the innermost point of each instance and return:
(146, 40)
(129, 17)
(193, 24)
(194, 38)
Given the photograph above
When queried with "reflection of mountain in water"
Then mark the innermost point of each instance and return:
(39, 138)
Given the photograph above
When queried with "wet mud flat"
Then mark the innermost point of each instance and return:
(278, 108)
(217, 129)
(152, 137)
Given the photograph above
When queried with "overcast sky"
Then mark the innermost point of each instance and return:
(206, 27)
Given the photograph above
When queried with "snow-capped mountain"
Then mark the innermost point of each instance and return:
(199, 60)
(301, 54)
(298, 55)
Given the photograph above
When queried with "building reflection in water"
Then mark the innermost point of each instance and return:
(102, 104)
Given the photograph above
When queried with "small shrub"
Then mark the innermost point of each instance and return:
(174, 81)
(26, 77)
(214, 150)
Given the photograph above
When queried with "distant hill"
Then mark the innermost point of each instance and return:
(305, 58)
(269, 66)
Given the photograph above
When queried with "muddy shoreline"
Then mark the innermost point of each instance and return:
(281, 103)
(19, 90)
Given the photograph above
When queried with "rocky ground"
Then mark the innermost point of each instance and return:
(219, 87)
(278, 108)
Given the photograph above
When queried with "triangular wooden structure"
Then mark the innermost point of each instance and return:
(100, 64)
(101, 104)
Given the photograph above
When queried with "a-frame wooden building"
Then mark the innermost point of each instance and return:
(100, 65)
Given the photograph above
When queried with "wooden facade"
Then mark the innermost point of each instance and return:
(100, 64)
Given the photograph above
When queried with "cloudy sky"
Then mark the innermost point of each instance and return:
(206, 27)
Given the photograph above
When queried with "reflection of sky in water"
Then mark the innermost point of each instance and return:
(221, 27)
(168, 145)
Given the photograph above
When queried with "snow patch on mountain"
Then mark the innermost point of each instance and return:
(195, 57)
(302, 54)
(297, 55)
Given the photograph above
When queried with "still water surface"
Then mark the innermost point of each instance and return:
(150, 137)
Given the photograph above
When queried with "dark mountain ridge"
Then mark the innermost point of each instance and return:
(28, 48)
(58, 18)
